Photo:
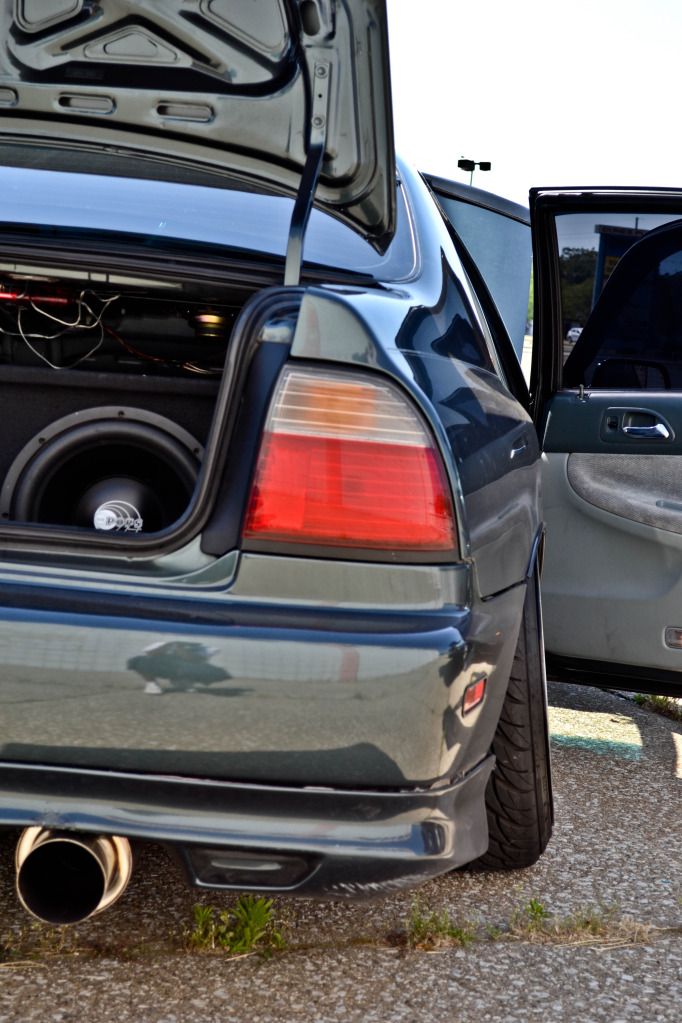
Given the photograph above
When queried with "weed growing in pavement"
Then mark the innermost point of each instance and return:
(428, 930)
(669, 706)
(531, 917)
(594, 925)
(250, 926)
(246, 927)
(34, 941)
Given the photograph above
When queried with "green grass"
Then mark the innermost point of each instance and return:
(431, 929)
(427, 930)
(669, 706)
(252, 926)
(593, 925)
(246, 927)
(34, 941)
(530, 918)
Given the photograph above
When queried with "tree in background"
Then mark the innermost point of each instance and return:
(577, 268)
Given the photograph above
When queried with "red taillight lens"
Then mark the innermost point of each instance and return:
(346, 461)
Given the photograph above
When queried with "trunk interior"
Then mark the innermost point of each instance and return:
(108, 391)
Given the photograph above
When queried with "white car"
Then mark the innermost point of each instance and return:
(573, 334)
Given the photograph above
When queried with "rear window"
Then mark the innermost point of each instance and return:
(196, 213)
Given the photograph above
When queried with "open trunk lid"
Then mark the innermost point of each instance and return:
(229, 85)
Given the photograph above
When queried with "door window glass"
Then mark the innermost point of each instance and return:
(621, 291)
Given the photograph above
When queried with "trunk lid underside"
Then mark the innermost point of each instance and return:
(231, 86)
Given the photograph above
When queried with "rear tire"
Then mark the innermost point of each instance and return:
(519, 793)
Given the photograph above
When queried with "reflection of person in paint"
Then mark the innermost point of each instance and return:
(185, 665)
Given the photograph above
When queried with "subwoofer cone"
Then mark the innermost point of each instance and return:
(112, 469)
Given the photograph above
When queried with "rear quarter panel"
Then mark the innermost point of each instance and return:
(428, 334)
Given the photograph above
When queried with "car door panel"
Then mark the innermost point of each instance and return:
(603, 421)
(611, 583)
(609, 408)
(638, 488)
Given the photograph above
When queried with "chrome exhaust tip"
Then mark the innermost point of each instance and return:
(65, 877)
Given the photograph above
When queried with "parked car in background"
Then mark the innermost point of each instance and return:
(573, 334)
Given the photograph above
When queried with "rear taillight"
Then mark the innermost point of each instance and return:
(346, 461)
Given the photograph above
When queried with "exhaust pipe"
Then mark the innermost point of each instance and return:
(64, 877)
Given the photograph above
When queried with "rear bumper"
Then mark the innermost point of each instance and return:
(256, 694)
(327, 842)
(311, 750)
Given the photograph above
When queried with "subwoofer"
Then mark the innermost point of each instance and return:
(110, 468)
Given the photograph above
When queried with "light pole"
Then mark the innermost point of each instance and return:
(470, 165)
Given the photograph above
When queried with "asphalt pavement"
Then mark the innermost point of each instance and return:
(593, 932)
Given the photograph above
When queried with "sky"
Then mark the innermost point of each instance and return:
(552, 92)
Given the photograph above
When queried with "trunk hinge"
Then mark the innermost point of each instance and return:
(311, 172)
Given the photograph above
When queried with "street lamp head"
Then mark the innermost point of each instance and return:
(471, 165)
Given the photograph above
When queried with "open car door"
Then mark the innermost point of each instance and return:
(607, 394)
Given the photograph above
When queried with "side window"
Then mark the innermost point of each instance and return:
(618, 279)
(497, 237)
(632, 337)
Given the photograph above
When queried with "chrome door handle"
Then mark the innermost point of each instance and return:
(656, 432)
(519, 449)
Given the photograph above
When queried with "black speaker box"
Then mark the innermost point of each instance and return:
(72, 443)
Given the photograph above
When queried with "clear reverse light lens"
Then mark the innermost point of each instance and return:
(346, 461)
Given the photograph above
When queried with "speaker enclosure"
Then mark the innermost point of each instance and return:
(129, 469)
